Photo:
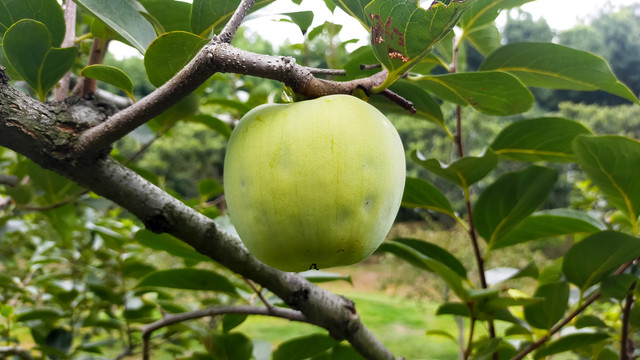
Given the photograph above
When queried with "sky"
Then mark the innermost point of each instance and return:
(559, 14)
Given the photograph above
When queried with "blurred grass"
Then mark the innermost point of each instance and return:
(399, 323)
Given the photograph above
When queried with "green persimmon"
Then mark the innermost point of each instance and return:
(314, 184)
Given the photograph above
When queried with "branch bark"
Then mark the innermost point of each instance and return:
(47, 133)
(215, 57)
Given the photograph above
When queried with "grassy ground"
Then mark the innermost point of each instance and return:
(399, 323)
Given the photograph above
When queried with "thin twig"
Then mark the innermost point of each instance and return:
(404, 103)
(626, 350)
(370, 67)
(258, 292)
(10, 180)
(171, 319)
(230, 29)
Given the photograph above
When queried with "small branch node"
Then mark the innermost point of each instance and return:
(404, 103)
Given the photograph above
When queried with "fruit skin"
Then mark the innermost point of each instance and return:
(314, 182)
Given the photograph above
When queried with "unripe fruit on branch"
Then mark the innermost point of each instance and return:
(314, 184)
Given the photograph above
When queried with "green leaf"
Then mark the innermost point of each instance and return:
(464, 171)
(490, 92)
(510, 199)
(304, 347)
(570, 342)
(611, 163)
(546, 313)
(301, 18)
(231, 321)
(355, 8)
(28, 48)
(169, 53)
(485, 39)
(234, 346)
(48, 12)
(550, 223)
(110, 75)
(540, 139)
(317, 276)
(418, 259)
(189, 279)
(172, 15)
(435, 252)
(45, 315)
(484, 13)
(426, 106)
(212, 123)
(422, 194)
(168, 243)
(617, 286)
(212, 15)
(124, 18)
(557, 67)
(402, 32)
(595, 257)
(208, 188)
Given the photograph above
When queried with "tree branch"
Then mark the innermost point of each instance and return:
(171, 319)
(9, 180)
(6, 351)
(230, 29)
(214, 57)
(44, 132)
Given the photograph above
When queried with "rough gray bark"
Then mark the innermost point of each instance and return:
(48, 134)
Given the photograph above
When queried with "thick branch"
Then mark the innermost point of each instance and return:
(42, 131)
(214, 57)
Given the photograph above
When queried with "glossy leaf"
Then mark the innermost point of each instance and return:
(28, 48)
(402, 32)
(540, 139)
(550, 223)
(48, 12)
(233, 346)
(490, 92)
(485, 39)
(617, 286)
(212, 123)
(355, 8)
(110, 75)
(304, 347)
(557, 67)
(169, 53)
(419, 259)
(231, 321)
(422, 194)
(45, 315)
(426, 106)
(510, 199)
(485, 12)
(570, 342)
(172, 15)
(464, 171)
(124, 18)
(318, 276)
(435, 252)
(212, 15)
(188, 279)
(168, 243)
(595, 257)
(546, 313)
(301, 18)
(611, 163)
